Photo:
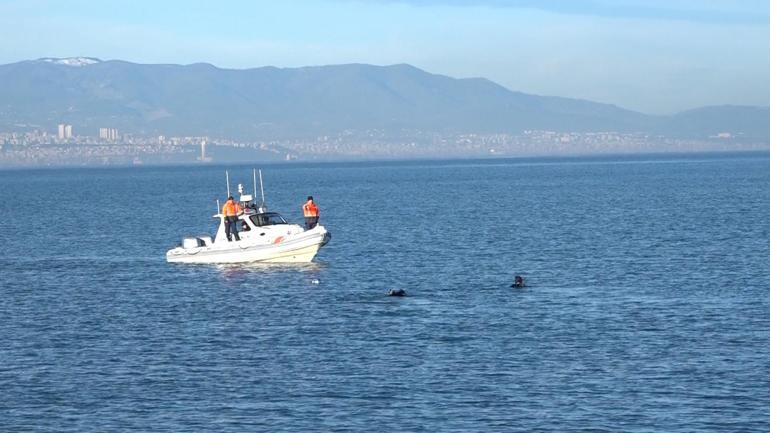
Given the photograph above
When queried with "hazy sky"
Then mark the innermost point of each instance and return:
(654, 56)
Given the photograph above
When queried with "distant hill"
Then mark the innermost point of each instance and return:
(749, 122)
(201, 99)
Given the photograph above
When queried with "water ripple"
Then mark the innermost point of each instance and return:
(646, 308)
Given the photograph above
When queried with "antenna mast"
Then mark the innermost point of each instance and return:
(261, 188)
(254, 177)
(227, 178)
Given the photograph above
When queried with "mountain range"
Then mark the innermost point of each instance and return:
(270, 102)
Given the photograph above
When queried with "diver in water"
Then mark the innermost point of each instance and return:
(518, 282)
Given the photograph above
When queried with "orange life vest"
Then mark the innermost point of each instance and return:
(231, 208)
(310, 209)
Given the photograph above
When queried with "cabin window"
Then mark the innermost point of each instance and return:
(267, 219)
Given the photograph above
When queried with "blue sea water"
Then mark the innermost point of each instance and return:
(647, 306)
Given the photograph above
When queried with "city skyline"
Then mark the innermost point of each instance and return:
(655, 57)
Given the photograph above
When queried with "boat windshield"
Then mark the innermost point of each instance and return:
(267, 219)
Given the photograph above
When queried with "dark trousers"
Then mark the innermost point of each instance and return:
(311, 222)
(231, 227)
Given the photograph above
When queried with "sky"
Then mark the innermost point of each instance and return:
(653, 56)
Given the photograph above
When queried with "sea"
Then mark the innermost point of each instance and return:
(646, 306)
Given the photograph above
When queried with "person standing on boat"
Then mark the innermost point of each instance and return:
(231, 210)
(310, 210)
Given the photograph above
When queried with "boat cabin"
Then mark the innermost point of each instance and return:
(254, 225)
(261, 220)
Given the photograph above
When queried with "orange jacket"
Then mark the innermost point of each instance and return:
(231, 208)
(310, 209)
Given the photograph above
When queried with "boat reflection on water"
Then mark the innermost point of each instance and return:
(311, 271)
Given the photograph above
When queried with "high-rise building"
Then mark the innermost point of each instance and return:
(64, 132)
(110, 134)
(203, 157)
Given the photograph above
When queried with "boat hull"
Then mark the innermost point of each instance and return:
(298, 248)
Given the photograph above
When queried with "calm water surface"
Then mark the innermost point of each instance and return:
(647, 306)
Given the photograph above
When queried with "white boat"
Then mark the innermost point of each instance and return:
(265, 237)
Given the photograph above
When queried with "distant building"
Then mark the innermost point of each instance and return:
(203, 157)
(65, 131)
(109, 134)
